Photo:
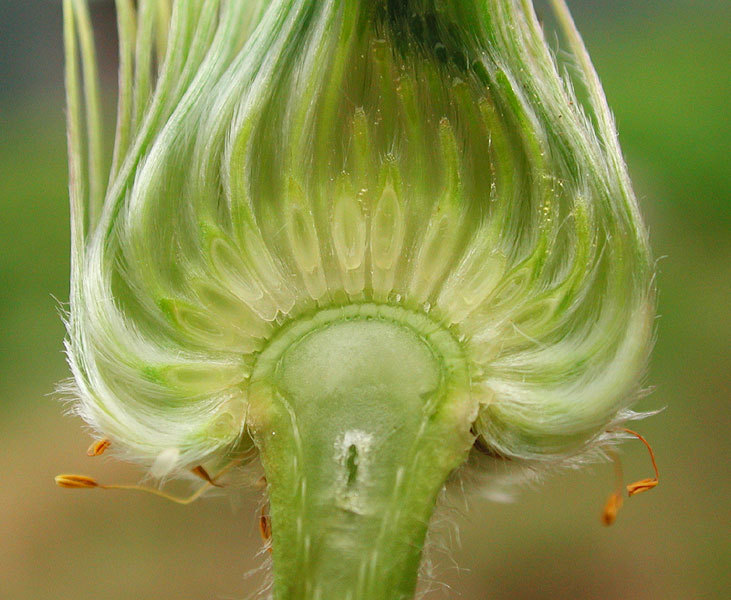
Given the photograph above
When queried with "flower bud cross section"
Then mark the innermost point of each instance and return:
(358, 241)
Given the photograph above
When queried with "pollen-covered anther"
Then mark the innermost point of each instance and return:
(643, 485)
(98, 447)
(265, 527)
(201, 472)
(85, 482)
(75, 481)
(611, 508)
(615, 501)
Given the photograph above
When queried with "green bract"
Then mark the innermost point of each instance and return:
(359, 236)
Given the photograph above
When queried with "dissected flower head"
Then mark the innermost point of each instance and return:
(277, 160)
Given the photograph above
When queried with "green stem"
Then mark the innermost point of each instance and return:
(360, 415)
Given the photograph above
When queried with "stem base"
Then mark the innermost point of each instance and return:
(360, 414)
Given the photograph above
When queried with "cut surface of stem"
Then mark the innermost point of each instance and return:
(360, 415)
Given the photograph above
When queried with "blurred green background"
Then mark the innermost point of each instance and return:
(665, 65)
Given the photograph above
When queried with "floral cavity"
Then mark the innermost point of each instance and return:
(275, 158)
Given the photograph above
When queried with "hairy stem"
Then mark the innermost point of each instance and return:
(359, 422)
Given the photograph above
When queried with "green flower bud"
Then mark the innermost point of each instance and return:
(360, 237)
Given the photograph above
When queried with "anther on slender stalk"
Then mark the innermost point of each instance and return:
(643, 485)
(363, 242)
(615, 500)
(85, 482)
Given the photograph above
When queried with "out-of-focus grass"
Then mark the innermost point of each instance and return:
(667, 78)
(33, 244)
(665, 68)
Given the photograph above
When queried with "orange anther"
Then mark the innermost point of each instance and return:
(203, 474)
(98, 448)
(614, 503)
(611, 508)
(265, 525)
(75, 481)
(82, 481)
(643, 484)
